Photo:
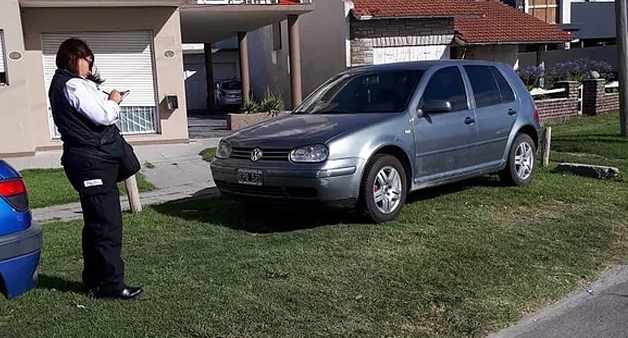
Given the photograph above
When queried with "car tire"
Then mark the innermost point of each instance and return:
(383, 190)
(521, 165)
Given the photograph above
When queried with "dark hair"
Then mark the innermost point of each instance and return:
(70, 52)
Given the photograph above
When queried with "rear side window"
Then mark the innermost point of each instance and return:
(504, 88)
(484, 86)
(447, 84)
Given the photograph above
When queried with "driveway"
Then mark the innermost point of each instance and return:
(207, 126)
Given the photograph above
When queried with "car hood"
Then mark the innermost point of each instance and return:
(298, 129)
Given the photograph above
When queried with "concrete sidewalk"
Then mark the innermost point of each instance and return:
(177, 171)
(73, 210)
(598, 311)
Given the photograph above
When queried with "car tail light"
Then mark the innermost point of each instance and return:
(537, 116)
(14, 191)
(223, 93)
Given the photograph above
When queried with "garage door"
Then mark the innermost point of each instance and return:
(125, 61)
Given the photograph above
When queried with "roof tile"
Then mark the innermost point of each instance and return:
(413, 8)
(504, 24)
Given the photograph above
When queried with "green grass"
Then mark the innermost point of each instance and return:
(208, 154)
(591, 135)
(47, 187)
(461, 261)
(591, 140)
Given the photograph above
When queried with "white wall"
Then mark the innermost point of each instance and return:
(323, 51)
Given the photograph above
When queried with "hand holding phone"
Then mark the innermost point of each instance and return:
(124, 94)
(115, 96)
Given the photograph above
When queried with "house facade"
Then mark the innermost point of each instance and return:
(138, 45)
(591, 23)
(340, 34)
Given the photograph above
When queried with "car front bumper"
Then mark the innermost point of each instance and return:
(335, 183)
(19, 258)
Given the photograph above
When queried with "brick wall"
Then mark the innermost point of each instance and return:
(596, 100)
(368, 34)
(611, 103)
(562, 107)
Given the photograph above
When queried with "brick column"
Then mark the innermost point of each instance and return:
(593, 96)
(571, 94)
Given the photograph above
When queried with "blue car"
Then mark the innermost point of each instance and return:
(20, 237)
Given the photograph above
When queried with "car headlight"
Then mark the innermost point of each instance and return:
(310, 154)
(224, 150)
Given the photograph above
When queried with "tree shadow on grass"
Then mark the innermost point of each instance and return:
(260, 218)
(53, 283)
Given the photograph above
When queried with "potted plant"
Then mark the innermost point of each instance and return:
(252, 112)
(272, 105)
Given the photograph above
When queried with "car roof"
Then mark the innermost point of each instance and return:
(423, 65)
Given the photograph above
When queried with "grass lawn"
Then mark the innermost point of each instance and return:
(461, 261)
(592, 140)
(208, 154)
(48, 187)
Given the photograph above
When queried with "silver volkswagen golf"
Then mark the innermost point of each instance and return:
(369, 136)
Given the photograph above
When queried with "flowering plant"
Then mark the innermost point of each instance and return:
(577, 70)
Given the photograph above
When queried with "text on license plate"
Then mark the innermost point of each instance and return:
(250, 177)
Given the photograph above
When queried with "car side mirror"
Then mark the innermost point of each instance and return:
(436, 106)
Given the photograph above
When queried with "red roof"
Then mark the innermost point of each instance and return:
(504, 24)
(413, 8)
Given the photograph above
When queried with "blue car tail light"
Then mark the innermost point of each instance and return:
(14, 192)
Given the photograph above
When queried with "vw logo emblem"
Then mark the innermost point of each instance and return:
(256, 154)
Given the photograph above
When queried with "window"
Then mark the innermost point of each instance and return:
(277, 36)
(504, 88)
(447, 84)
(484, 87)
(3, 64)
(364, 92)
(231, 85)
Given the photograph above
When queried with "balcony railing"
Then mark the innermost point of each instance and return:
(252, 2)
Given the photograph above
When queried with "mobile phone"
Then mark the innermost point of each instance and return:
(123, 94)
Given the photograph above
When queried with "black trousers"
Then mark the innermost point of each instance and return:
(94, 178)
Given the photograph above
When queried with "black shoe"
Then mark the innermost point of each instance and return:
(127, 292)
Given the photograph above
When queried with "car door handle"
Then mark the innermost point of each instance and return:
(512, 112)
(469, 120)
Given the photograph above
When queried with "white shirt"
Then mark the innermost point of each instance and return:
(85, 97)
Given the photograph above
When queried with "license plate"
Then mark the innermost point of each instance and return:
(250, 177)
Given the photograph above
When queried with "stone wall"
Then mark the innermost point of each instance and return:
(368, 34)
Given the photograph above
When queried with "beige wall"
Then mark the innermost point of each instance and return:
(165, 24)
(508, 54)
(15, 108)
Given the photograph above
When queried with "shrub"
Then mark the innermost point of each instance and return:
(272, 104)
(250, 107)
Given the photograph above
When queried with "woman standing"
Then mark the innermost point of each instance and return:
(92, 156)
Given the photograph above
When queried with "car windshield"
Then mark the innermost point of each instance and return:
(231, 85)
(384, 91)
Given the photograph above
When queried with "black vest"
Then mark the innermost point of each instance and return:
(77, 131)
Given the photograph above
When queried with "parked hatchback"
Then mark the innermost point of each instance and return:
(228, 93)
(20, 237)
(369, 136)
